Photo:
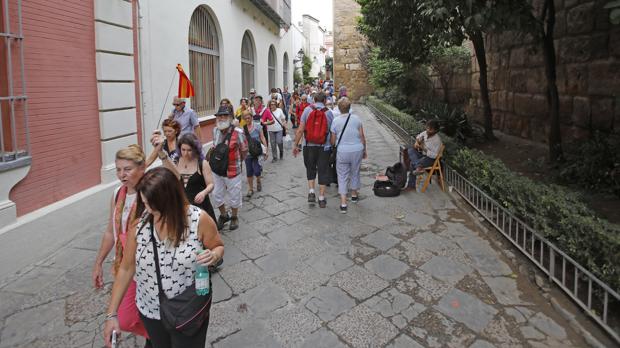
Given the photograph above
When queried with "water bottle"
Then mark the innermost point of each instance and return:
(202, 279)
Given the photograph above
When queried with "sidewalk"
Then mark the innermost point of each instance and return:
(410, 271)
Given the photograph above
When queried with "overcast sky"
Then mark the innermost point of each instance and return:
(319, 9)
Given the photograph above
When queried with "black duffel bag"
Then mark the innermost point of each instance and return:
(385, 189)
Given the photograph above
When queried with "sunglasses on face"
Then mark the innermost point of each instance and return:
(176, 104)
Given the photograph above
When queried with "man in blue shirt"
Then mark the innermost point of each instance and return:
(186, 117)
(316, 155)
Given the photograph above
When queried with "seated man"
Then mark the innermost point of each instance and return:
(423, 153)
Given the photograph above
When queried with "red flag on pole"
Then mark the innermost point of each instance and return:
(186, 89)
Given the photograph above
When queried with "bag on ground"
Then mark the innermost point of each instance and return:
(385, 189)
(397, 174)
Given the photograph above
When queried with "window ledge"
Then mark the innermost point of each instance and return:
(18, 163)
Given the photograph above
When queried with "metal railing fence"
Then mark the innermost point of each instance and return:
(595, 297)
(589, 292)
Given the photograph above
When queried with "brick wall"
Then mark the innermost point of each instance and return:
(348, 44)
(588, 69)
(59, 50)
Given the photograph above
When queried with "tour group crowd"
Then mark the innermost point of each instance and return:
(163, 224)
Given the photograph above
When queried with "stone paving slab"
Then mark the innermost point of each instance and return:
(409, 271)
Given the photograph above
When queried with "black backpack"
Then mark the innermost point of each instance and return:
(254, 146)
(219, 156)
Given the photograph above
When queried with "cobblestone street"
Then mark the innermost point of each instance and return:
(410, 271)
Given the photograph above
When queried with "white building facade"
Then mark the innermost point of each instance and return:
(314, 49)
(225, 47)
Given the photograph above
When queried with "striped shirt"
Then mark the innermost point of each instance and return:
(237, 149)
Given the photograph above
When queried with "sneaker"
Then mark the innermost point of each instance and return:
(343, 209)
(355, 199)
(322, 203)
(311, 197)
(274, 160)
(224, 218)
(234, 223)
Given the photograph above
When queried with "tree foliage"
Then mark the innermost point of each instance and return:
(329, 65)
(384, 71)
(446, 62)
(396, 81)
(306, 67)
(407, 30)
(401, 31)
(297, 77)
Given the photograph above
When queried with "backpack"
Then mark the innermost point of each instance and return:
(254, 146)
(219, 156)
(316, 126)
(397, 174)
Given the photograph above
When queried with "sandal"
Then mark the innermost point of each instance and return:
(249, 194)
(259, 187)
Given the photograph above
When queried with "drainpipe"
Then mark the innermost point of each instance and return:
(141, 94)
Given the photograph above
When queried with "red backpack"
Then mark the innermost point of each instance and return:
(316, 126)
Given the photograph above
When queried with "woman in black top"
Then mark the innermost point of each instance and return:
(194, 172)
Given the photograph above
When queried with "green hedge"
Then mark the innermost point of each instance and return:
(410, 124)
(555, 212)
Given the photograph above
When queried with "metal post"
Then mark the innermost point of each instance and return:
(576, 282)
(551, 263)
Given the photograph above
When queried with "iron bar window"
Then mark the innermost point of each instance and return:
(14, 133)
(204, 62)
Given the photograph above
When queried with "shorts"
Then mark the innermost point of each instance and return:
(316, 160)
(227, 191)
(253, 167)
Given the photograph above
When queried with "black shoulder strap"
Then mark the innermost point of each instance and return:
(276, 118)
(156, 256)
(246, 131)
(230, 131)
(343, 128)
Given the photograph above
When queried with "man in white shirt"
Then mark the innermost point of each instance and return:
(426, 148)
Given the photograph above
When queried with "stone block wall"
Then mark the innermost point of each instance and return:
(459, 89)
(588, 76)
(348, 45)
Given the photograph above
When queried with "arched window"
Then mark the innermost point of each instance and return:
(204, 61)
(285, 70)
(271, 66)
(247, 64)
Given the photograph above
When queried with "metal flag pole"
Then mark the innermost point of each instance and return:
(166, 102)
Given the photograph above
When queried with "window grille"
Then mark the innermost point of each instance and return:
(247, 64)
(271, 67)
(14, 133)
(204, 62)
